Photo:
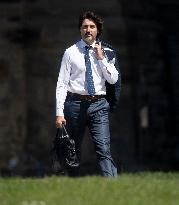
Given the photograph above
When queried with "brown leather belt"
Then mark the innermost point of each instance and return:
(86, 97)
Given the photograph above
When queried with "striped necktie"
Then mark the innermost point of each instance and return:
(89, 77)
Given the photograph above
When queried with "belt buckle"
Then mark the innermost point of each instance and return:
(92, 97)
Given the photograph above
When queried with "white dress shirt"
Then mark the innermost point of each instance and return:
(72, 74)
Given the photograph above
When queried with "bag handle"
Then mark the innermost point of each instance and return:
(62, 132)
(64, 129)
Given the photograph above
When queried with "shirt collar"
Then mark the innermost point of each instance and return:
(83, 44)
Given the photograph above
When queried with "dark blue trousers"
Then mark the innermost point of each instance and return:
(94, 114)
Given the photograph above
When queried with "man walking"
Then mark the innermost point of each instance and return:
(87, 68)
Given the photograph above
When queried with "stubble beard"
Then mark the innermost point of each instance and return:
(88, 40)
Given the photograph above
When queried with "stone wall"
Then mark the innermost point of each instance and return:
(12, 85)
(34, 35)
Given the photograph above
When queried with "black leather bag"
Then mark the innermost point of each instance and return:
(64, 153)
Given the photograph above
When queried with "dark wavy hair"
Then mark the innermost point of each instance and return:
(94, 17)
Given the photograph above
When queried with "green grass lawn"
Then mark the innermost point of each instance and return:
(127, 189)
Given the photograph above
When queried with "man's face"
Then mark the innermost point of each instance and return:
(88, 31)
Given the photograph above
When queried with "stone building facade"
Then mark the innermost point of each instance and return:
(33, 37)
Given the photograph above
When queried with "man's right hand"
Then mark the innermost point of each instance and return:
(59, 121)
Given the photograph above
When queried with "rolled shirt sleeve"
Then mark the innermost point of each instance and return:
(109, 70)
(62, 84)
